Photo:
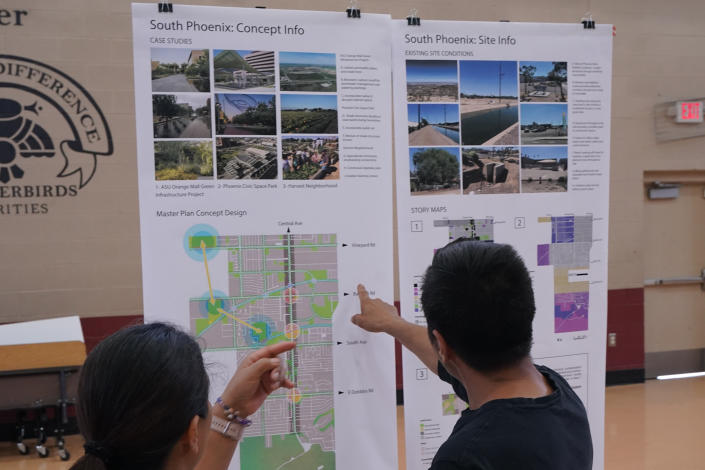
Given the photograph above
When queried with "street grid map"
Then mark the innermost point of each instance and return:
(280, 288)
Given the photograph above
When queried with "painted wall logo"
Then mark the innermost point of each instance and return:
(51, 134)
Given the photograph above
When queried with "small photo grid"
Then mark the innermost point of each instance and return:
(310, 157)
(220, 114)
(181, 114)
(543, 82)
(434, 171)
(544, 169)
(487, 126)
(246, 158)
(243, 70)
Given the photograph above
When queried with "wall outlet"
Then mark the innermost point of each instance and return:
(612, 340)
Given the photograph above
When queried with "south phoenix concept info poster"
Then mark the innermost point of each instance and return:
(502, 134)
(265, 170)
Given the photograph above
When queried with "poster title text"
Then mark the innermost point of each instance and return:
(481, 40)
(271, 30)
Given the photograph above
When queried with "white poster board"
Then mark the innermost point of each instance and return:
(502, 134)
(265, 168)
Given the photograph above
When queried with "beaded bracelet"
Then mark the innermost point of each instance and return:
(231, 414)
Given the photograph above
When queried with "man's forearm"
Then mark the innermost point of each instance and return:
(415, 339)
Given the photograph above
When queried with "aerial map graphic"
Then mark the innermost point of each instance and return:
(474, 229)
(569, 254)
(280, 288)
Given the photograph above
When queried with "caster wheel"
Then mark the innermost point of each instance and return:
(64, 455)
(22, 448)
(43, 452)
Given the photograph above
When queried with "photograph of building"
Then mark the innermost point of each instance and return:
(544, 169)
(252, 71)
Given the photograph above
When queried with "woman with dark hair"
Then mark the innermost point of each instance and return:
(143, 401)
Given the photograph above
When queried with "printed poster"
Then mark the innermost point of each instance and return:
(502, 134)
(265, 169)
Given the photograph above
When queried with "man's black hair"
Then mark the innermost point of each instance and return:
(478, 296)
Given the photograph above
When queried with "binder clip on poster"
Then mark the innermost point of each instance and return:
(166, 7)
(413, 19)
(587, 21)
(353, 11)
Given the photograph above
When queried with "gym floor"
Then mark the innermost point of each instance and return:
(650, 426)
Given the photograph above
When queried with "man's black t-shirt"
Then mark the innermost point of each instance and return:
(545, 433)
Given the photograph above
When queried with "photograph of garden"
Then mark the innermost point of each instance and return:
(310, 158)
(241, 114)
(175, 160)
(309, 114)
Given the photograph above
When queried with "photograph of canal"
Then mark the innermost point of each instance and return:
(489, 102)
(181, 116)
(544, 124)
(241, 114)
(490, 170)
(434, 171)
(544, 81)
(432, 80)
(433, 124)
(544, 169)
(180, 70)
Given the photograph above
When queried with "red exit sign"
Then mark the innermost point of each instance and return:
(689, 111)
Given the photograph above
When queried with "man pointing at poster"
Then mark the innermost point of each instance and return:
(479, 307)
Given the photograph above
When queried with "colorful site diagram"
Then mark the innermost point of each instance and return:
(452, 404)
(280, 288)
(569, 254)
(474, 229)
